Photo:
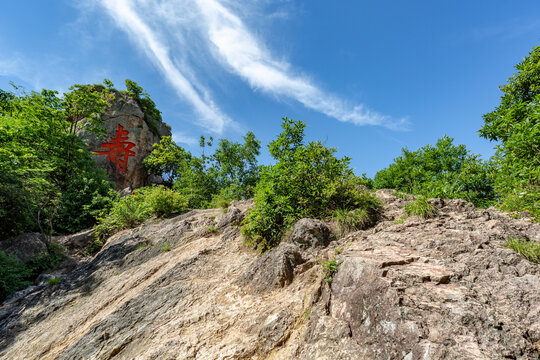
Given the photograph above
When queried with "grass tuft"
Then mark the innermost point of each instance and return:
(348, 221)
(530, 250)
(421, 207)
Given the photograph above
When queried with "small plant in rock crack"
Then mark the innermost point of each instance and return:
(166, 247)
(211, 229)
(54, 281)
(530, 250)
(400, 220)
(142, 245)
(420, 206)
(330, 268)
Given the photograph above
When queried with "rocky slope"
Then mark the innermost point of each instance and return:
(443, 288)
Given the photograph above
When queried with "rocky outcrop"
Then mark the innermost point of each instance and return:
(24, 246)
(273, 269)
(442, 288)
(130, 136)
(310, 233)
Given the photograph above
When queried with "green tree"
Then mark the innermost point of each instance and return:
(515, 124)
(43, 162)
(444, 170)
(307, 180)
(230, 173)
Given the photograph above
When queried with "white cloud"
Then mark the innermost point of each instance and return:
(181, 138)
(149, 40)
(185, 39)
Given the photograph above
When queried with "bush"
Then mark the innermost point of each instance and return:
(421, 207)
(444, 170)
(133, 210)
(306, 181)
(14, 275)
(162, 201)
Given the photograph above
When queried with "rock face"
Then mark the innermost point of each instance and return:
(443, 288)
(24, 246)
(129, 140)
(309, 233)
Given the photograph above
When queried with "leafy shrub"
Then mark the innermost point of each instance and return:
(421, 207)
(14, 275)
(133, 210)
(48, 178)
(330, 268)
(46, 260)
(166, 247)
(444, 170)
(530, 250)
(162, 201)
(306, 181)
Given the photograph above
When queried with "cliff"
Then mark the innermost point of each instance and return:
(131, 132)
(187, 288)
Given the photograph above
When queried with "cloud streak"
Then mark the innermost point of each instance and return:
(124, 12)
(209, 29)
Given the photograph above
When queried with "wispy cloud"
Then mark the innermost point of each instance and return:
(185, 38)
(148, 39)
(181, 138)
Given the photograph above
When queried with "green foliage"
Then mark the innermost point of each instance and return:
(421, 207)
(530, 250)
(330, 268)
(167, 160)
(166, 247)
(444, 170)
(400, 220)
(133, 210)
(515, 124)
(148, 106)
(212, 229)
(94, 247)
(306, 181)
(229, 174)
(15, 274)
(351, 220)
(54, 281)
(161, 201)
(143, 245)
(48, 179)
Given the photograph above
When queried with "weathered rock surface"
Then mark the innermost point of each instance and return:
(24, 246)
(126, 126)
(310, 233)
(273, 269)
(443, 288)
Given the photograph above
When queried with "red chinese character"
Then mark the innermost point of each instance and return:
(119, 149)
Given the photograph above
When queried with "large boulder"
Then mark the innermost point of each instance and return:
(310, 233)
(131, 133)
(274, 269)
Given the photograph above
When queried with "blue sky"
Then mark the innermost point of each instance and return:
(367, 77)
